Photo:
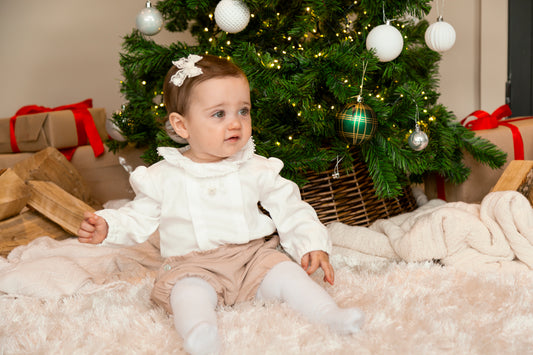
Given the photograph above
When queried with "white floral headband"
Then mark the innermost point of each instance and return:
(187, 67)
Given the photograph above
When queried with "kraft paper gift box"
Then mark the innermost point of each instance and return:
(106, 175)
(58, 129)
(10, 159)
(482, 178)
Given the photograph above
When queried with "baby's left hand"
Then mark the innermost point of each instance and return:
(318, 258)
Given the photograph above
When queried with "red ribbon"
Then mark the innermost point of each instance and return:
(494, 120)
(85, 126)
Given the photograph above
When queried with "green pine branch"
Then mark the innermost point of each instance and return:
(304, 61)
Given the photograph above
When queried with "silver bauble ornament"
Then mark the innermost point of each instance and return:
(149, 21)
(386, 40)
(418, 140)
(440, 36)
(232, 15)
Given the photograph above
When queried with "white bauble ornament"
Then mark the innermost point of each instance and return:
(113, 131)
(386, 40)
(149, 21)
(440, 36)
(418, 140)
(232, 15)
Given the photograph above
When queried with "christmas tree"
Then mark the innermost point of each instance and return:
(307, 60)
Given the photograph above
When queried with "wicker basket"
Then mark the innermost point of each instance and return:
(351, 198)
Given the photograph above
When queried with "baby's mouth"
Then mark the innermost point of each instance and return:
(232, 139)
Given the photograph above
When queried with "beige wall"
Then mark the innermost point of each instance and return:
(56, 52)
(473, 73)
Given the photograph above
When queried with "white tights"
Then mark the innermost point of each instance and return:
(194, 303)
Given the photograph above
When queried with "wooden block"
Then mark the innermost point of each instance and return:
(57, 205)
(24, 228)
(50, 165)
(518, 176)
(13, 195)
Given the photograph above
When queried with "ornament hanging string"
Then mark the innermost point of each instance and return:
(365, 65)
(440, 8)
(417, 114)
(385, 19)
(336, 173)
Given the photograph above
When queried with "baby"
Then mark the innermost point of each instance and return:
(219, 248)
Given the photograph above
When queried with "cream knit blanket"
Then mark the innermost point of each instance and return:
(494, 235)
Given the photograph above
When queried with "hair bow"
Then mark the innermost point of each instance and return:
(187, 67)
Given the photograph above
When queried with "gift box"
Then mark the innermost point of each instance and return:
(513, 136)
(108, 175)
(34, 128)
(8, 160)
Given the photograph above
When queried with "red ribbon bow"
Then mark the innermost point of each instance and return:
(490, 121)
(85, 126)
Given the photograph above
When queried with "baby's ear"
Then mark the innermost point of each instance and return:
(177, 122)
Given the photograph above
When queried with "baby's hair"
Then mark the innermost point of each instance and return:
(177, 98)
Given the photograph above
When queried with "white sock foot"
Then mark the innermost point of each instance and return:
(202, 340)
(289, 282)
(344, 320)
(193, 303)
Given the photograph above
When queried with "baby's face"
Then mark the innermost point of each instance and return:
(218, 119)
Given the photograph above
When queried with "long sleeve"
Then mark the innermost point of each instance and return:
(296, 221)
(137, 220)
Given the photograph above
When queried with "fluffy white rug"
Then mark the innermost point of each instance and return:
(417, 308)
(68, 298)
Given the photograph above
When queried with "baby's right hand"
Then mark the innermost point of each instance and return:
(93, 229)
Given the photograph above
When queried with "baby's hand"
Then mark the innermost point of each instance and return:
(318, 258)
(93, 229)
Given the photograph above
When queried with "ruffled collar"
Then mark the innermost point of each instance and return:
(231, 164)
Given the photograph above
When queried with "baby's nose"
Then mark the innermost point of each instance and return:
(235, 123)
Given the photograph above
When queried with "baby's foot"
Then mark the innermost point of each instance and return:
(346, 320)
(202, 340)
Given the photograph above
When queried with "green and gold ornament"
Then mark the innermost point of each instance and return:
(357, 122)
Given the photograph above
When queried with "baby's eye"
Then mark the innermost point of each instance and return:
(244, 111)
(219, 114)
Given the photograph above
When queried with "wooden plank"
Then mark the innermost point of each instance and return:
(13, 195)
(518, 176)
(58, 205)
(24, 228)
(50, 165)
